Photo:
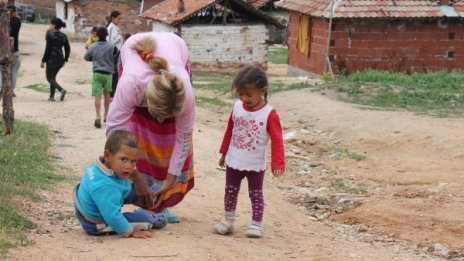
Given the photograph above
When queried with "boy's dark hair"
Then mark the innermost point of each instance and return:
(252, 76)
(118, 138)
(58, 23)
(94, 29)
(102, 33)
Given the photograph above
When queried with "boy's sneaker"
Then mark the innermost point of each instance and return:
(223, 227)
(51, 99)
(254, 231)
(63, 93)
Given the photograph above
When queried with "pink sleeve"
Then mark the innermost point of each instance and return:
(124, 101)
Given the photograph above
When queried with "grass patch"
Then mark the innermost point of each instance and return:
(39, 87)
(24, 169)
(278, 55)
(200, 100)
(439, 93)
(340, 185)
(220, 83)
(82, 81)
(281, 86)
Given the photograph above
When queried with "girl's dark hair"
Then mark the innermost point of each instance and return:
(251, 76)
(118, 138)
(58, 23)
(94, 29)
(113, 15)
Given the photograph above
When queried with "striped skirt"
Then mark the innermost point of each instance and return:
(156, 141)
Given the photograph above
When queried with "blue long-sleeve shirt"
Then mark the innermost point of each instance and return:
(101, 195)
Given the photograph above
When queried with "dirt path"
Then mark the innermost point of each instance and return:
(410, 208)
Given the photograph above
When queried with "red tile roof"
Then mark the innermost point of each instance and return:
(374, 8)
(167, 11)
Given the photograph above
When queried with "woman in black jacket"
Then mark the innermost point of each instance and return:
(53, 56)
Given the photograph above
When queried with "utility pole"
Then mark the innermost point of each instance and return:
(6, 63)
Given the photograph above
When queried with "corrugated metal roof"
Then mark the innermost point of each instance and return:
(374, 8)
(167, 11)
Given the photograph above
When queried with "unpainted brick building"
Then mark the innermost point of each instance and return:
(394, 35)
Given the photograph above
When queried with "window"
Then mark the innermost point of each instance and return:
(451, 36)
(332, 43)
(65, 11)
(450, 54)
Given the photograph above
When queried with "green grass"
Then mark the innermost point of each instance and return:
(82, 81)
(200, 100)
(278, 55)
(39, 87)
(219, 83)
(24, 169)
(280, 86)
(439, 93)
(340, 185)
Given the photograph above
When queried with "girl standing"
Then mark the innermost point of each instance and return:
(115, 37)
(53, 56)
(252, 122)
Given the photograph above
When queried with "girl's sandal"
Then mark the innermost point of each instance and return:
(254, 231)
(223, 227)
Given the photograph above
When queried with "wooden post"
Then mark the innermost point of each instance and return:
(6, 62)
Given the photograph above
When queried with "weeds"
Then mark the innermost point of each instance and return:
(278, 55)
(439, 93)
(200, 100)
(24, 169)
(340, 185)
(39, 87)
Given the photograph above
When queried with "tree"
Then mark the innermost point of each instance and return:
(6, 62)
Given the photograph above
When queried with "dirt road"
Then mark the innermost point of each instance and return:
(403, 201)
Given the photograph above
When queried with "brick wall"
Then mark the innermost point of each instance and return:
(81, 19)
(316, 61)
(226, 46)
(396, 45)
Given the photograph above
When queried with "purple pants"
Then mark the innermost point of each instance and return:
(255, 191)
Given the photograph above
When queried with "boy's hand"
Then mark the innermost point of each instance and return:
(278, 172)
(141, 234)
(222, 160)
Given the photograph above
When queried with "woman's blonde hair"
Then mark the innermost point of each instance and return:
(165, 92)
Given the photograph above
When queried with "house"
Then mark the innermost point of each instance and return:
(396, 35)
(81, 15)
(219, 33)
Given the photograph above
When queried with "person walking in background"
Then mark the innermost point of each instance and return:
(105, 187)
(53, 56)
(92, 38)
(115, 37)
(102, 54)
(252, 122)
(155, 101)
(15, 26)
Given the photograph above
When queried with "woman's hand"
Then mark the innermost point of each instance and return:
(144, 195)
(168, 183)
(141, 234)
(42, 65)
(222, 160)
